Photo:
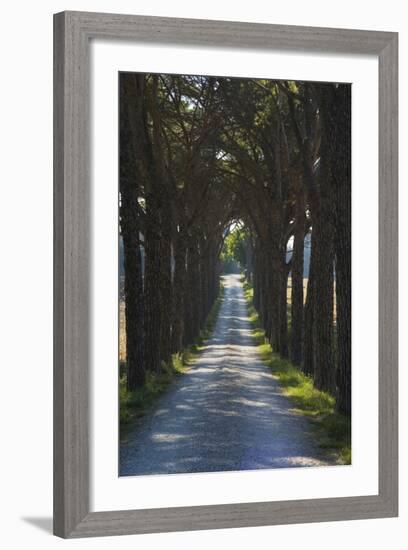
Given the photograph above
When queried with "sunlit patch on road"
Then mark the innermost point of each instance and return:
(227, 413)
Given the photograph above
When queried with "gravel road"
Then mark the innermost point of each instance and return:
(226, 413)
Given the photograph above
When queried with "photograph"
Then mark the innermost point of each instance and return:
(201, 275)
(234, 274)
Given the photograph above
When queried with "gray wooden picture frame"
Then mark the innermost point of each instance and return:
(72, 34)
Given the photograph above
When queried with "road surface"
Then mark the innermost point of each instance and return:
(226, 413)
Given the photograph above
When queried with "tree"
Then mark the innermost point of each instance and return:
(132, 124)
(341, 170)
(222, 169)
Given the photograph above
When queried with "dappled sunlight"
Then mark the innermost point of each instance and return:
(249, 178)
(226, 413)
(168, 438)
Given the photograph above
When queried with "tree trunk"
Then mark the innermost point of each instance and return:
(283, 314)
(178, 291)
(134, 313)
(308, 360)
(204, 277)
(192, 303)
(342, 180)
(274, 300)
(166, 287)
(297, 282)
(324, 374)
(249, 261)
(130, 181)
(322, 222)
(153, 298)
(158, 205)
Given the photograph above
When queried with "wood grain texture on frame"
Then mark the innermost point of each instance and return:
(72, 204)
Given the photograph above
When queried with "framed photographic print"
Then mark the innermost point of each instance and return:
(225, 280)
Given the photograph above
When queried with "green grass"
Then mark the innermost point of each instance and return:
(332, 430)
(134, 404)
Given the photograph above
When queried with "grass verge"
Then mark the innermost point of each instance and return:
(134, 404)
(333, 430)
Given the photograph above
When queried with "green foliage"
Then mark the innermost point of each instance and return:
(333, 430)
(134, 404)
(233, 253)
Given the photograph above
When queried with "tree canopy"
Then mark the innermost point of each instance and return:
(199, 154)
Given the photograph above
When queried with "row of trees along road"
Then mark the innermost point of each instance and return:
(198, 154)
